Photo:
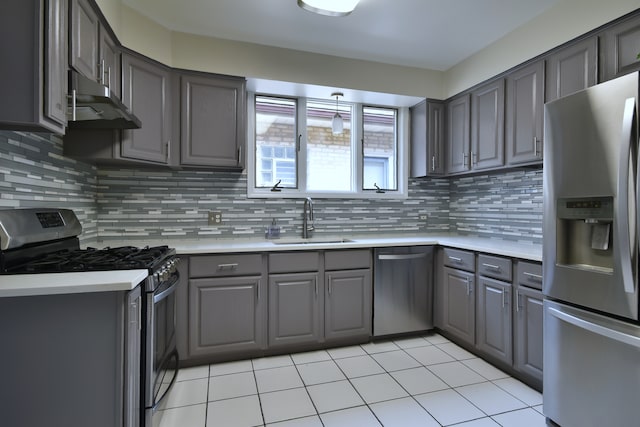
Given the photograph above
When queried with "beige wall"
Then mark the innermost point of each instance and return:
(565, 21)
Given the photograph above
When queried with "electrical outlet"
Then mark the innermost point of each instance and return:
(424, 217)
(215, 217)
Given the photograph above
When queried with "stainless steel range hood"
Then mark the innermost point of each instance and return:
(93, 106)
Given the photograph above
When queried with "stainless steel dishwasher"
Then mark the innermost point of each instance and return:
(403, 290)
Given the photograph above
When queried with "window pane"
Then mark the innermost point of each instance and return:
(379, 148)
(328, 155)
(275, 141)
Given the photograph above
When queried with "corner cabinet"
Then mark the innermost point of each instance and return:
(34, 77)
(147, 92)
(427, 139)
(524, 114)
(212, 121)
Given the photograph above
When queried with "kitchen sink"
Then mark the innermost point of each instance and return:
(311, 241)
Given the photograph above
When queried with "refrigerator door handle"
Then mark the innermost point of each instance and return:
(622, 216)
(596, 328)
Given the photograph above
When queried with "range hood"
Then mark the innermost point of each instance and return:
(93, 106)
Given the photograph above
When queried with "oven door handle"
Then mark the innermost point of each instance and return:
(171, 289)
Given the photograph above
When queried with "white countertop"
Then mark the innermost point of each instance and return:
(125, 280)
(523, 250)
(19, 285)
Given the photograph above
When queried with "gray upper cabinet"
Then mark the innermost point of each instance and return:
(458, 137)
(524, 114)
(94, 52)
(620, 46)
(212, 121)
(487, 126)
(146, 91)
(572, 68)
(34, 78)
(427, 139)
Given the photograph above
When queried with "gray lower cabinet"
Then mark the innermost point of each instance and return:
(146, 91)
(295, 309)
(226, 305)
(572, 68)
(524, 114)
(212, 120)
(487, 126)
(620, 45)
(347, 312)
(528, 335)
(493, 319)
(459, 313)
(458, 143)
(427, 139)
(34, 78)
(133, 355)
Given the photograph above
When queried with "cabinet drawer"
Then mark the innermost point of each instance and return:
(225, 265)
(496, 267)
(529, 274)
(294, 262)
(463, 260)
(347, 260)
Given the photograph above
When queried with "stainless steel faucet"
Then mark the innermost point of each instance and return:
(307, 218)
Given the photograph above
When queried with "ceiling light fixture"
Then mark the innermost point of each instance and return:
(337, 124)
(329, 7)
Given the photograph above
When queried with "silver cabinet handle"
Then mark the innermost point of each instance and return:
(468, 286)
(222, 267)
(505, 294)
(168, 150)
(316, 283)
(109, 78)
(298, 144)
(464, 159)
(455, 259)
(535, 277)
(491, 266)
(536, 150)
(73, 104)
(402, 256)
(257, 292)
(329, 284)
(433, 163)
(474, 158)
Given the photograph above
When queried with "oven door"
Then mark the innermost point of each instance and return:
(160, 355)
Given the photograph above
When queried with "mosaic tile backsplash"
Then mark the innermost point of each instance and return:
(113, 203)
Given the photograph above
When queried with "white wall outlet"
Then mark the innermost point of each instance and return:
(423, 217)
(215, 217)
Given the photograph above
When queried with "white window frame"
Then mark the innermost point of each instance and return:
(357, 159)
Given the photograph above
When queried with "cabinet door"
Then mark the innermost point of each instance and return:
(348, 304)
(494, 319)
(110, 63)
(487, 126)
(571, 69)
(225, 315)
(458, 142)
(84, 39)
(146, 91)
(459, 304)
(133, 340)
(524, 114)
(295, 307)
(55, 66)
(427, 139)
(528, 337)
(212, 121)
(620, 47)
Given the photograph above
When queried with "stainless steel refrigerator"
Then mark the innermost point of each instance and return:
(590, 257)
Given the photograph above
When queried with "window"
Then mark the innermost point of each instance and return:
(293, 152)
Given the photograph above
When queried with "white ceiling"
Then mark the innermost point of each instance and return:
(433, 34)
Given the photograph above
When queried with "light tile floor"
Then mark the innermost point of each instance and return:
(424, 381)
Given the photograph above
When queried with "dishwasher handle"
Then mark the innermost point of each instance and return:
(401, 256)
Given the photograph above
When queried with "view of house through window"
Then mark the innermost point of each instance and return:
(276, 155)
(295, 146)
